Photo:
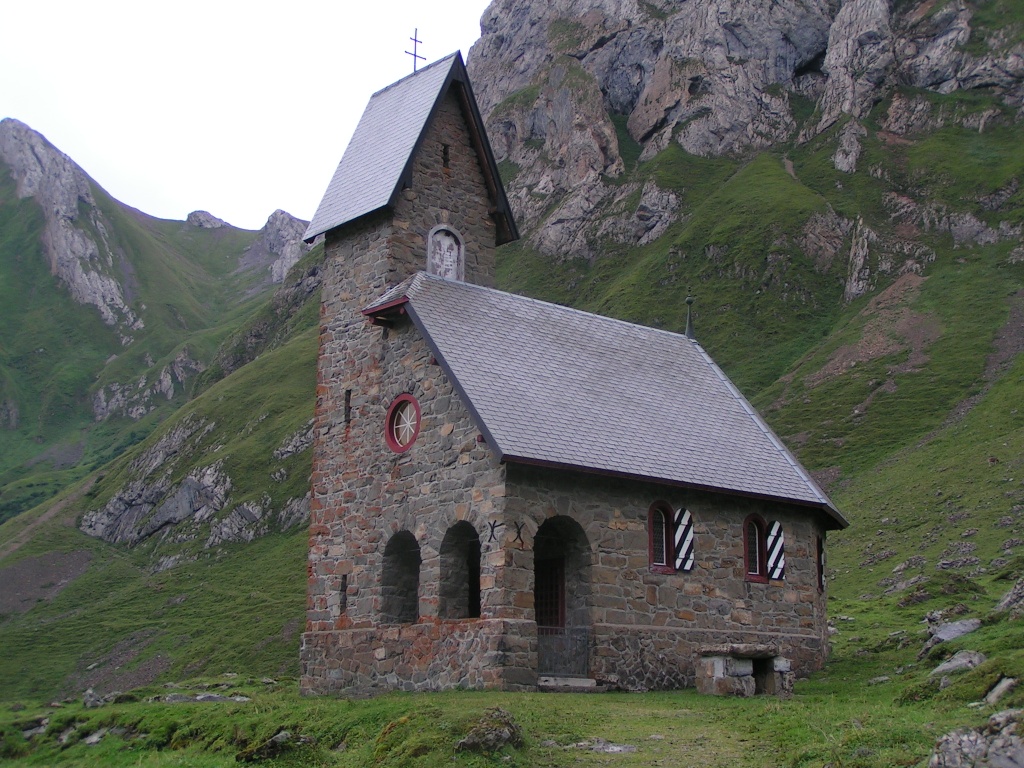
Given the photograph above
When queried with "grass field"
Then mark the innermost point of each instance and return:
(839, 718)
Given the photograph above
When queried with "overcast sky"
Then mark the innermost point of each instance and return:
(230, 107)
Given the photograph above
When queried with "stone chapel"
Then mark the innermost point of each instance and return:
(508, 493)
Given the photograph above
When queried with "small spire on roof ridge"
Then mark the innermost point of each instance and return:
(689, 320)
(415, 51)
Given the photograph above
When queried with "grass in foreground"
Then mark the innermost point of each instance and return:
(860, 726)
(847, 715)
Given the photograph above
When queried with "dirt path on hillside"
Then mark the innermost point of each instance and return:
(21, 537)
(788, 165)
(1008, 343)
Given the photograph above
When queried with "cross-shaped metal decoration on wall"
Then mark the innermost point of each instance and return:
(415, 51)
(494, 525)
(519, 533)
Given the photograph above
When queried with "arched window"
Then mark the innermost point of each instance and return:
(460, 573)
(755, 558)
(659, 537)
(446, 253)
(670, 538)
(400, 579)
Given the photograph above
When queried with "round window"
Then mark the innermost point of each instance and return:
(403, 423)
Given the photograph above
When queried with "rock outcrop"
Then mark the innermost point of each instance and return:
(277, 248)
(698, 72)
(1013, 600)
(138, 398)
(76, 242)
(205, 220)
(997, 744)
(158, 501)
(561, 84)
(151, 500)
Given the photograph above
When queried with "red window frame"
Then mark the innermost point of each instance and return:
(395, 411)
(667, 539)
(758, 548)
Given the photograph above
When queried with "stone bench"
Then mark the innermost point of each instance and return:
(743, 670)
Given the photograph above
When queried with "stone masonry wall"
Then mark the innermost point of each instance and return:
(446, 477)
(647, 627)
(362, 492)
(456, 196)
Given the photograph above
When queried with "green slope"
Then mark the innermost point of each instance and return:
(119, 598)
(50, 351)
(56, 354)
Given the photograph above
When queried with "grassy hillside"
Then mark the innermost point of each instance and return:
(50, 349)
(119, 614)
(55, 354)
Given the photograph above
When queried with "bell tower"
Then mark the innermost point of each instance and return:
(417, 190)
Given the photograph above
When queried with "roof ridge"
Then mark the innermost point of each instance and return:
(416, 73)
(564, 307)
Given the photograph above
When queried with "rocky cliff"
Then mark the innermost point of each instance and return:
(76, 239)
(277, 247)
(565, 84)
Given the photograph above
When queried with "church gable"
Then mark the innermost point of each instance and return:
(378, 164)
(442, 218)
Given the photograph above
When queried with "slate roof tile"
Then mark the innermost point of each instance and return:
(558, 386)
(378, 151)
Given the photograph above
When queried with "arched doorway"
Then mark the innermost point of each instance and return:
(561, 598)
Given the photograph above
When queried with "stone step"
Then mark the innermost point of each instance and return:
(556, 684)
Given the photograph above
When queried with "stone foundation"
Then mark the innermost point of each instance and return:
(430, 656)
(503, 655)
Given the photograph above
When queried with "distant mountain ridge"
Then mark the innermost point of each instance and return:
(80, 255)
(149, 293)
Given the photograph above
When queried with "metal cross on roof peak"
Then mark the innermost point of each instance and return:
(415, 51)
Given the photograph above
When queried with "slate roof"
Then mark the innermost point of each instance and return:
(555, 386)
(377, 163)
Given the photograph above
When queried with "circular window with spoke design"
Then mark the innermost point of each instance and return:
(402, 424)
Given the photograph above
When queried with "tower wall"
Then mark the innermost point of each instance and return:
(362, 491)
(455, 195)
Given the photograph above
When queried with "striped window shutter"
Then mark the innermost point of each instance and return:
(683, 532)
(776, 551)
